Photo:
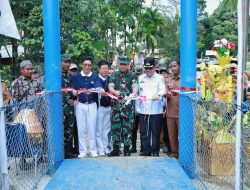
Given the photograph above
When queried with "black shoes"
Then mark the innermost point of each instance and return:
(76, 151)
(133, 150)
(126, 151)
(115, 151)
(145, 154)
(68, 151)
(70, 155)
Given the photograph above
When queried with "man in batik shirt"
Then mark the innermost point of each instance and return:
(24, 87)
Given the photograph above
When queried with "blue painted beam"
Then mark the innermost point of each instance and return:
(51, 23)
(188, 83)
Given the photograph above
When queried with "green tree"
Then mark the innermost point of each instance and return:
(202, 30)
(221, 24)
(229, 5)
(151, 28)
(169, 44)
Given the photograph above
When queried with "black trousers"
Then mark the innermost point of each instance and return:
(134, 132)
(75, 136)
(151, 126)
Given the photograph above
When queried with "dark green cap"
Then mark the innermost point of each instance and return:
(65, 57)
(124, 60)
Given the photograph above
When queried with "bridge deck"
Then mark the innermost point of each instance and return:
(120, 173)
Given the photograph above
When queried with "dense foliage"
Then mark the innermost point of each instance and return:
(102, 28)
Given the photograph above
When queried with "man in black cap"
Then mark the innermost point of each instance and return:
(122, 83)
(68, 108)
(152, 86)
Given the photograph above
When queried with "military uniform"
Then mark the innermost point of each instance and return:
(68, 113)
(68, 108)
(122, 115)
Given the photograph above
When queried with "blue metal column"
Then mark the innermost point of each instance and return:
(188, 83)
(51, 23)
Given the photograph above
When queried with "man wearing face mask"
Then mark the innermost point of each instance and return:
(152, 86)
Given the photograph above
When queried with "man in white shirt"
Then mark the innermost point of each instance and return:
(86, 107)
(152, 86)
(103, 125)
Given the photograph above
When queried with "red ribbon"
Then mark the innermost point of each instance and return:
(188, 89)
(111, 95)
(81, 90)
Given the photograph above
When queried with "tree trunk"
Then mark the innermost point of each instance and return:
(125, 38)
(14, 57)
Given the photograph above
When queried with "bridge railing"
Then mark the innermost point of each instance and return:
(30, 151)
(214, 125)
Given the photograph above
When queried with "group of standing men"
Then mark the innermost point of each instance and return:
(101, 105)
(97, 106)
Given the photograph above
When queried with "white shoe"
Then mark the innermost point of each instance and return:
(93, 154)
(101, 154)
(82, 155)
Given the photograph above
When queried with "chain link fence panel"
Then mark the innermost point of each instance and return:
(246, 147)
(214, 144)
(29, 144)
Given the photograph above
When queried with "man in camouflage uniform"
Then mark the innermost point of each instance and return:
(68, 108)
(122, 83)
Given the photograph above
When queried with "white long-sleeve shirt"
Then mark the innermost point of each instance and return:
(148, 87)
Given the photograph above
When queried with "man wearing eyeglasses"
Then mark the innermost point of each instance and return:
(86, 107)
(152, 86)
(123, 83)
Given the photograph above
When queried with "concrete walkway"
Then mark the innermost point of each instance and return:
(120, 173)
